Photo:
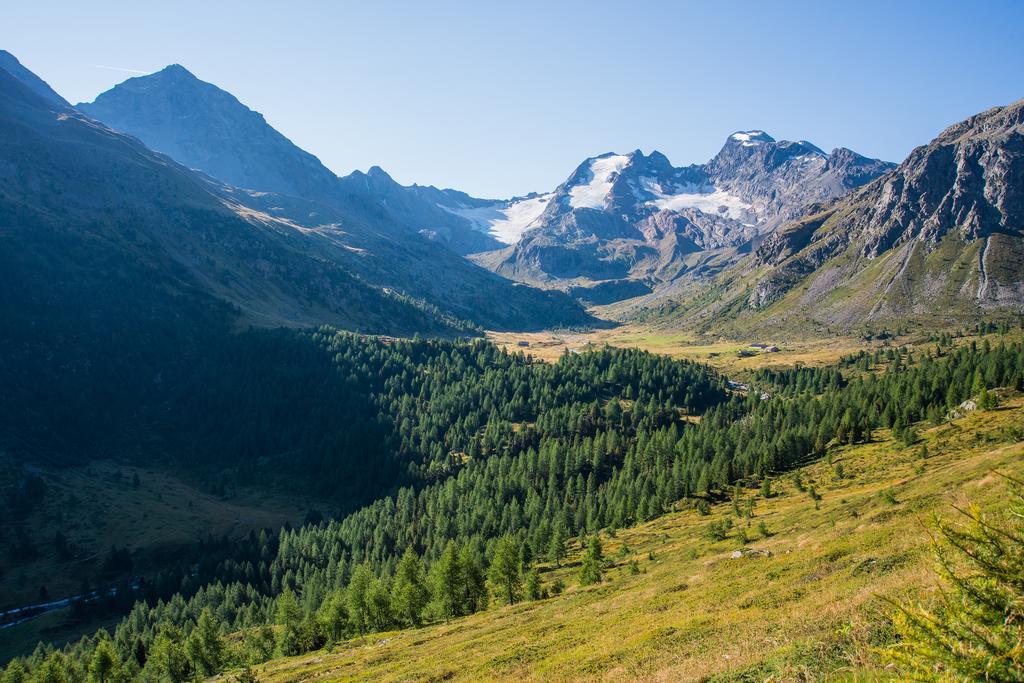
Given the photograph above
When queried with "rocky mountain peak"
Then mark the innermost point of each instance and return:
(11, 65)
(636, 216)
(949, 220)
(177, 71)
(970, 180)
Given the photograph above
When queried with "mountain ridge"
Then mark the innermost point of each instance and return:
(361, 221)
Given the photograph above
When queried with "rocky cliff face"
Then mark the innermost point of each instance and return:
(969, 181)
(779, 179)
(940, 237)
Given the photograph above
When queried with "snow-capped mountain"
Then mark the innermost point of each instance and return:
(637, 217)
(503, 220)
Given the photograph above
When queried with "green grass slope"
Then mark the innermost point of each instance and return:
(725, 610)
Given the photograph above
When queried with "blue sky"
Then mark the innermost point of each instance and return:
(503, 98)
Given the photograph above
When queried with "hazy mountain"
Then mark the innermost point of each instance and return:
(78, 199)
(939, 238)
(424, 209)
(365, 221)
(201, 126)
(206, 128)
(624, 219)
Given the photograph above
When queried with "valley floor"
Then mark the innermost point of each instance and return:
(805, 602)
(733, 357)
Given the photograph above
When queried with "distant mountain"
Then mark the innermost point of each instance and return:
(624, 219)
(201, 126)
(366, 222)
(620, 226)
(939, 239)
(206, 128)
(84, 207)
(424, 209)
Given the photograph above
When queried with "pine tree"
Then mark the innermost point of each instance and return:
(556, 549)
(168, 659)
(15, 673)
(506, 569)
(591, 568)
(378, 606)
(409, 594)
(53, 670)
(534, 589)
(446, 583)
(104, 662)
(976, 630)
(289, 617)
(333, 616)
(473, 588)
(205, 643)
(357, 595)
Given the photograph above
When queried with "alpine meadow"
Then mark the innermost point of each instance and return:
(745, 409)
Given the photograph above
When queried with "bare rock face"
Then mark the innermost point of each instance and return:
(969, 180)
(941, 234)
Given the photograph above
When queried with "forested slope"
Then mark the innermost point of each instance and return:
(527, 455)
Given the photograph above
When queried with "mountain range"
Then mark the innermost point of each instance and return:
(618, 226)
(730, 242)
(260, 175)
(635, 219)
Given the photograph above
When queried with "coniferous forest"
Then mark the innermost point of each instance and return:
(460, 467)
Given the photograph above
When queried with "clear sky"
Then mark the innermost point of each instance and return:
(502, 98)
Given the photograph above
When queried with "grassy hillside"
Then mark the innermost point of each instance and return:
(696, 611)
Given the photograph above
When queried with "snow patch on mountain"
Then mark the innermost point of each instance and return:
(706, 198)
(504, 221)
(594, 194)
(750, 138)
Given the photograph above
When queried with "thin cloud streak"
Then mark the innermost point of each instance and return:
(120, 68)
